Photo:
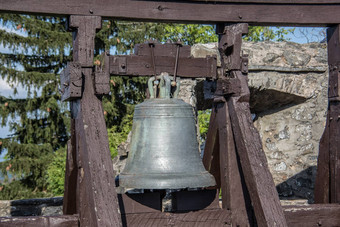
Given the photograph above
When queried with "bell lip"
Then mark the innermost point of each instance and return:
(166, 181)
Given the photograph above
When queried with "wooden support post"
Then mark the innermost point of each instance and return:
(327, 189)
(235, 196)
(258, 179)
(96, 201)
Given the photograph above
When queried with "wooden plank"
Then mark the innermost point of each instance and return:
(322, 187)
(291, 2)
(334, 151)
(312, 215)
(140, 203)
(216, 217)
(184, 201)
(143, 66)
(98, 203)
(202, 12)
(259, 181)
(55, 221)
(235, 196)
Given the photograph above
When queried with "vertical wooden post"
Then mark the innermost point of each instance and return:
(259, 181)
(327, 189)
(96, 201)
(235, 196)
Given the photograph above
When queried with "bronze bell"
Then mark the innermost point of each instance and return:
(164, 148)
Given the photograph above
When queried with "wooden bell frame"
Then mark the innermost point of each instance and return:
(233, 152)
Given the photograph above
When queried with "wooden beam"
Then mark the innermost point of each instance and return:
(215, 217)
(143, 66)
(259, 181)
(98, 202)
(55, 221)
(235, 196)
(183, 11)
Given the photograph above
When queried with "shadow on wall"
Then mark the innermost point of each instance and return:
(299, 186)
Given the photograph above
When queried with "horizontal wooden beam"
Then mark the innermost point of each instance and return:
(55, 221)
(321, 13)
(143, 66)
(312, 215)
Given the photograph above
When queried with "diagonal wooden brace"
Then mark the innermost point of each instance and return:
(89, 156)
(254, 168)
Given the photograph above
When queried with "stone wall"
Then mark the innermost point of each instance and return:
(288, 84)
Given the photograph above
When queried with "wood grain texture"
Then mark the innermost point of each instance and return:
(98, 203)
(259, 181)
(203, 12)
(211, 159)
(313, 215)
(322, 187)
(235, 196)
(203, 218)
(55, 221)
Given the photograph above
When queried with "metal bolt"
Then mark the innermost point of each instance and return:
(122, 66)
(91, 11)
(330, 118)
(65, 84)
(147, 66)
(240, 16)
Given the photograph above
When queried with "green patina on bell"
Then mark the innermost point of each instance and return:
(164, 148)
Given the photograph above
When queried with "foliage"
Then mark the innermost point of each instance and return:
(203, 122)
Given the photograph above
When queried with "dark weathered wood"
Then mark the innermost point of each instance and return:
(322, 187)
(83, 48)
(98, 203)
(253, 13)
(71, 176)
(334, 151)
(184, 201)
(143, 66)
(312, 215)
(211, 159)
(229, 86)
(140, 202)
(203, 218)
(229, 46)
(235, 196)
(55, 221)
(71, 82)
(292, 2)
(162, 50)
(259, 180)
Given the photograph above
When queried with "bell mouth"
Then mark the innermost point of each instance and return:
(166, 181)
